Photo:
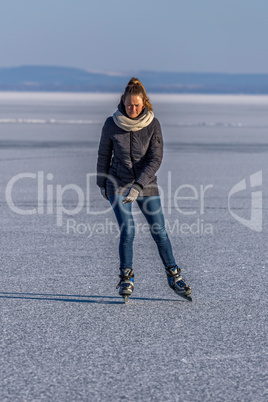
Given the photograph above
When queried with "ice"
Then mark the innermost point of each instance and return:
(209, 99)
(65, 333)
(43, 121)
(44, 98)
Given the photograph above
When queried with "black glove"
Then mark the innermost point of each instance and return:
(103, 193)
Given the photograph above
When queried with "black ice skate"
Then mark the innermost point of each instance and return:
(177, 283)
(126, 283)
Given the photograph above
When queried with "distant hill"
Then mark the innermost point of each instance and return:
(50, 78)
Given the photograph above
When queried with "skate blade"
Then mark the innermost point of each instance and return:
(188, 298)
(126, 298)
(184, 295)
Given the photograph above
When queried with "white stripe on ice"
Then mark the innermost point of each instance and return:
(44, 97)
(42, 121)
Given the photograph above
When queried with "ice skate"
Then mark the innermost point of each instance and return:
(177, 283)
(126, 283)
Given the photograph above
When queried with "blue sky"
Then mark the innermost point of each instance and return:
(123, 35)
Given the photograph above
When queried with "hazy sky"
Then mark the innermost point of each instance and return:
(125, 35)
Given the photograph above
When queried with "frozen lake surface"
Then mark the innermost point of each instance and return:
(65, 333)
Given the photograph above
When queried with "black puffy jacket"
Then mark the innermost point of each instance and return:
(126, 157)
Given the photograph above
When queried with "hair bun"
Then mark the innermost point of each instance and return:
(134, 81)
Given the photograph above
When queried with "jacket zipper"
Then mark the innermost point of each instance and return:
(131, 156)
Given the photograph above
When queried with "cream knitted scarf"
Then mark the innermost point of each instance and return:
(128, 124)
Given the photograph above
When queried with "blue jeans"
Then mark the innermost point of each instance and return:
(152, 210)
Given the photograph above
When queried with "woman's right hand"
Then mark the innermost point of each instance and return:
(103, 193)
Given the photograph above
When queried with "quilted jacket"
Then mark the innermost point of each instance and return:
(125, 158)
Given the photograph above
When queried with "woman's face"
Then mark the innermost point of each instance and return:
(133, 105)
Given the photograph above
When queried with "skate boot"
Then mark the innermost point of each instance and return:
(126, 283)
(177, 283)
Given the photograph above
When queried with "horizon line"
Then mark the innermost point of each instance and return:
(118, 73)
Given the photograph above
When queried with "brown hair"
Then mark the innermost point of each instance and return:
(135, 87)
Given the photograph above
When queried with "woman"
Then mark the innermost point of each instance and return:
(130, 153)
